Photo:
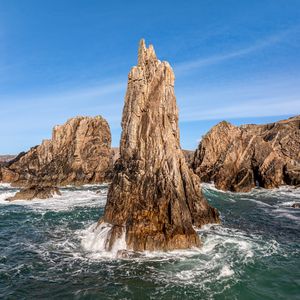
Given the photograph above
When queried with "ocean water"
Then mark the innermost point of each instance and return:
(49, 249)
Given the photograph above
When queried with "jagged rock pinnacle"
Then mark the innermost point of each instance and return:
(145, 54)
(154, 196)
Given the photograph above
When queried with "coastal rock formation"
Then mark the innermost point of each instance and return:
(240, 158)
(188, 154)
(154, 198)
(6, 158)
(78, 153)
(35, 192)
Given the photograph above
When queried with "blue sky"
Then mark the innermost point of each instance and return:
(234, 60)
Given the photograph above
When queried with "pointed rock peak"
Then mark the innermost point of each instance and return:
(154, 199)
(142, 45)
(145, 54)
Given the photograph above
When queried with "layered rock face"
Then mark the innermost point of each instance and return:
(78, 153)
(154, 196)
(240, 158)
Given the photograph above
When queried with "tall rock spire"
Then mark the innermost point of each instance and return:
(145, 54)
(154, 197)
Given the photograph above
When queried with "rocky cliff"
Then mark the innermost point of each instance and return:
(240, 158)
(154, 197)
(78, 153)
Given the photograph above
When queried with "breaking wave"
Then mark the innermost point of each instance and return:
(94, 240)
(70, 198)
(58, 241)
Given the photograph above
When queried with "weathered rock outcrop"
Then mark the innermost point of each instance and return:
(6, 158)
(154, 196)
(35, 192)
(78, 153)
(240, 158)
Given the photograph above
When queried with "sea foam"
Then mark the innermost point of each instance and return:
(66, 201)
(94, 240)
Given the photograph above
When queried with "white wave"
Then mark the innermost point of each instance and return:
(94, 240)
(285, 192)
(67, 200)
(261, 203)
(85, 186)
(211, 186)
(223, 251)
(226, 271)
(213, 238)
(282, 190)
(4, 195)
(217, 235)
(180, 254)
(270, 200)
(288, 203)
(289, 188)
(4, 185)
(292, 214)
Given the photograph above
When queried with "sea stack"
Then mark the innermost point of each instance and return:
(79, 152)
(154, 198)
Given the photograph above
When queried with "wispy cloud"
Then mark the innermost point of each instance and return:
(272, 97)
(255, 108)
(54, 107)
(65, 96)
(33, 116)
(215, 59)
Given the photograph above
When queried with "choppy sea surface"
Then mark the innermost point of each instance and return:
(48, 250)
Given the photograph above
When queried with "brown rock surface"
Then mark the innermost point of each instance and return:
(240, 158)
(78, 153)
(6, 158)
(35, 192)
(189, 156)
(154, 196)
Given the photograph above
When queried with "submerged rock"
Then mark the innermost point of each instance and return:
(154, 198)
(296, 205)
(240, 158)
(78, 153)
(35, 192)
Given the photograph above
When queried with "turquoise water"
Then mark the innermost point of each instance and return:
(47, 251)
